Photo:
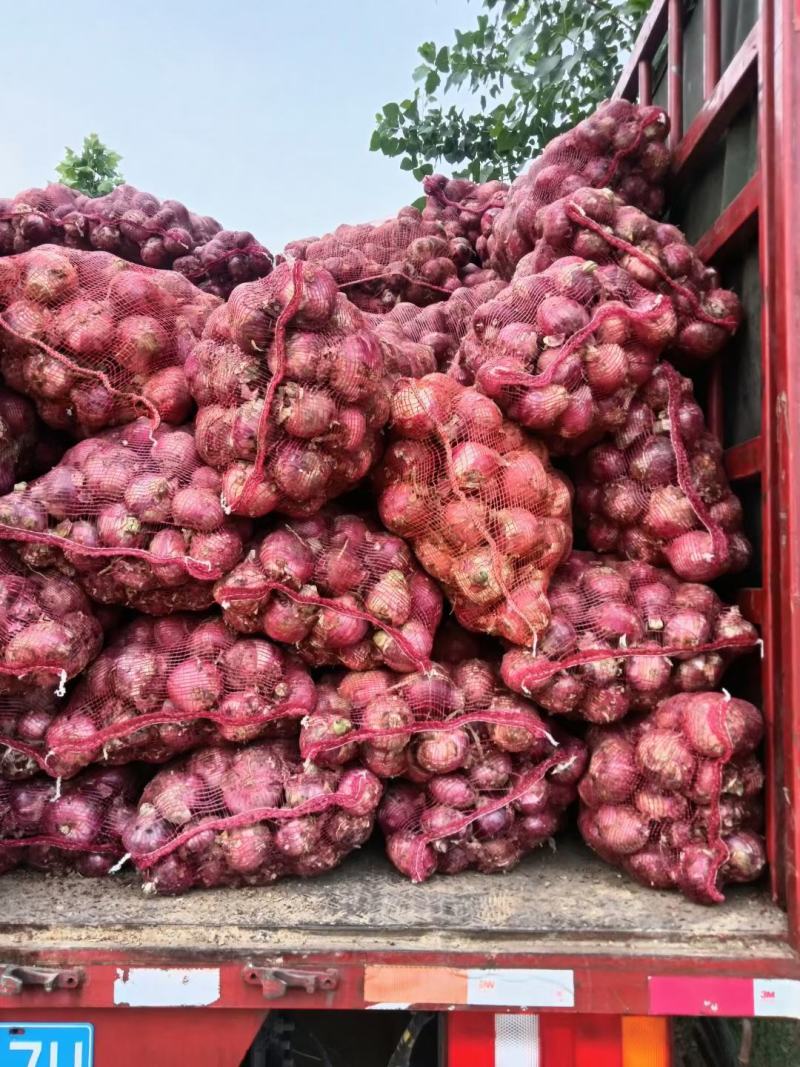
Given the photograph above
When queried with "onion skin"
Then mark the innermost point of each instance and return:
(696, 789)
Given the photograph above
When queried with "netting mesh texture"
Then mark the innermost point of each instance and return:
(657, 491)
(48, 628)
(476, 497)
(340, 590)
(138, 227)
(76, 825)
(248, 816)
(164, 686)
(95, 341)
(132, 513)
(623, 636)
(674, 796)
(290, 384)
(622, 145)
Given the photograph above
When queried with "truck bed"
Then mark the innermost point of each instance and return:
(559, 902)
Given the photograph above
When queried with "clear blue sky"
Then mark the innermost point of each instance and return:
(258, 113)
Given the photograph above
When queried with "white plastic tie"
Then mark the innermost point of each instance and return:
(535, 645)
(760, 643)
(61, 689)
(727, 696)
(57, 795)
(205, 563)
(120, 864)
(551, 739)
(623, 641)
(226, 507)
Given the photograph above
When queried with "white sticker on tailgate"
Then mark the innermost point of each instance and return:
(166, 987)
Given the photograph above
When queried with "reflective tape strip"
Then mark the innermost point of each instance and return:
(516, 1041)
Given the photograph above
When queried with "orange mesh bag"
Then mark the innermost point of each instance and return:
(96, 341)
(496, 806)
(674, 797)
(418, 341)
(137, 227)
(622, 145)
(485, 513)
(164, 686)
(599, 226)
(420, 725)
(623, 636)
(48, 631)
(70, 826)
(135, 515)
(657, 491)
(24, 719)
(248, 816)
(407, 258)
(562, 353)
(340, 590)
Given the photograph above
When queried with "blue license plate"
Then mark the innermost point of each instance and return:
(46, 1045)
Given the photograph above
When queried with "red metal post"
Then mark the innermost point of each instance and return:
(645, 81)
(711, 46)
(675, 70)
(780, 149)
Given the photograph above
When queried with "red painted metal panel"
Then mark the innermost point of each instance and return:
(751, 603)
(161, 1037)
(777, 119)
(469, 1039)
(744, 460)
(557, 1039)
(782, 61)
(735, 223)
(598, 1041)
(733, 89)
(650, 36)
(675, 71)
(711, 46)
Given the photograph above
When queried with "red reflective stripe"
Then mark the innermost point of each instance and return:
(470, 1039)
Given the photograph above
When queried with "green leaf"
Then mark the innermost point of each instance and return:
(521, 44)
(432, 82)
(428, 51)
(546, 65)
(375, 141)
(420, 72)
(421, 202)
(443, 60)
(392, 113)
(423, 171)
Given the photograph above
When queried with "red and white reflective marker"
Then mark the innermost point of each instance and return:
(739, 997)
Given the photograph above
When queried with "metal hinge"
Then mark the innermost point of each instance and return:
(14, 978)
(274, 981)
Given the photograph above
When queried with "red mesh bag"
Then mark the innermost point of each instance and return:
(657, 491)
(24, 719)
(48, 631)
(407, 258)
(423, 725)
(135, 514)
(339, 589)
(95, 341)
(137, 227)
(599, 226)
(77, 825)
(465, 208)
(18, 438)
(164, 686)
(624, 635)
(486, 515)
(290, 382)
(674, 797)
(248, 816)
(488, 814)
(622, 145)
(562, 353)
(418, 341)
